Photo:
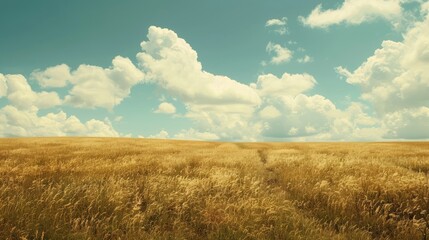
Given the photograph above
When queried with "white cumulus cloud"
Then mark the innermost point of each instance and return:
(214, 103)
(16, 122)
(396, 81)
(290, 113)
(297, 113)
(94, 86)
(57, 76)
(172, 63)
(408, 124)
(289, 84)
(19, 93)
(21, 116)
(354, 12)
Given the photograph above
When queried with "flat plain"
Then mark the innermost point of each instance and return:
(119, 188)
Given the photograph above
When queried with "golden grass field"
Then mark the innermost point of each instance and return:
(101, 188)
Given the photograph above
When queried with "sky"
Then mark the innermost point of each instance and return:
(243, 70)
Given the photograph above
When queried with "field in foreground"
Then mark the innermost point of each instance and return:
(100, 188)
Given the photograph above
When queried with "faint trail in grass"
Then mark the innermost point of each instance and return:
(262, 156)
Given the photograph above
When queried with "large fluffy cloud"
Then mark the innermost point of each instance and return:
(408, 123)
(172, 63)
(396, 81)
(229, 122)
(289, 112)
(19, 93)
(301, 115)
(214, 103)
(316, 118)
(21, 116)
(354, 12)
(93, 86)
(24, 123)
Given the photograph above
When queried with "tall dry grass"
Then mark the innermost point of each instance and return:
(92, 188)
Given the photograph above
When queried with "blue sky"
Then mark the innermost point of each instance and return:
(243, 70)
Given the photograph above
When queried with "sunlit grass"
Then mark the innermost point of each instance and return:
(100, 188)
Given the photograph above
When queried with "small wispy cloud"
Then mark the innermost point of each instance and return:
(281, 54)
(305, 59)
(279, 25)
